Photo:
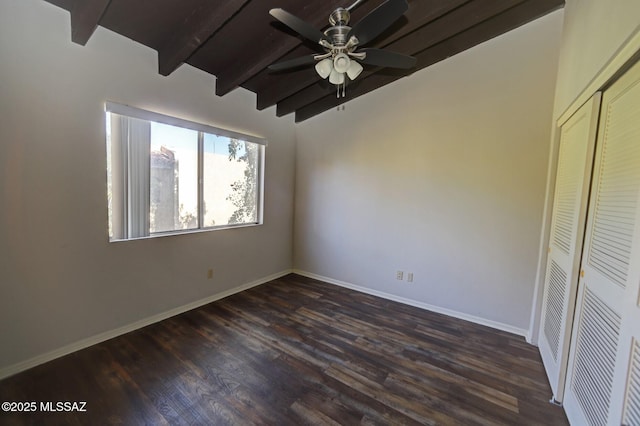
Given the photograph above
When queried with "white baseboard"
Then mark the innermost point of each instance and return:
(425, 306)
(90, 341)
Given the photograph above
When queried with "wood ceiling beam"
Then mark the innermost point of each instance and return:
(196, 30)
(490, 28)
(314, 92)
(249, 65)
(85, 17)
(421, 12)
(283, 88)
(229, 80)
(446, 26)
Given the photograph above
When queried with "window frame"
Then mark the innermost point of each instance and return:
(141, 114)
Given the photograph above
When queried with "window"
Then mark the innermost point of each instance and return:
(168, 175)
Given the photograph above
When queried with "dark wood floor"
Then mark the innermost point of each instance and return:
(296, 351)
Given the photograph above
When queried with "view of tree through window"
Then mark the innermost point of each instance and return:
(244, 192)
(224, 180)
(167, 178)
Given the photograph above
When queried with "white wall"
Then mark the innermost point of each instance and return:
(593, 32)
(441, 174)
(61, 281)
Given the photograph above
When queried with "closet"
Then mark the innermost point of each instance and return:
(590, 330)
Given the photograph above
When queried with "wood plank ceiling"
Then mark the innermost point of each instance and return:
(236, 40)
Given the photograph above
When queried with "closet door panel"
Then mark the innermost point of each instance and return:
(575, 158)
(602, 381)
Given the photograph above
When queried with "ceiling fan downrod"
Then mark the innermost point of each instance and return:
(354, 5)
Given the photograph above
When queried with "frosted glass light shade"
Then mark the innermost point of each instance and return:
(354, 70)
(336, 77)
(341, 62)
(324, 67)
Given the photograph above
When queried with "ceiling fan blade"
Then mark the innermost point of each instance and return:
(384, 58)
(303, 28)
(292, 63)
(378, 20)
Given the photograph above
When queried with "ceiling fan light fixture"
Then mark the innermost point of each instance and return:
(324, 67)
(341, 62)
(354, 70)
(336, 77)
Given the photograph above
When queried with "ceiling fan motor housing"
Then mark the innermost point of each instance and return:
(338, 34)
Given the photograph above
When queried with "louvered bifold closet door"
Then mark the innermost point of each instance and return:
(575, 158)
(603, 378)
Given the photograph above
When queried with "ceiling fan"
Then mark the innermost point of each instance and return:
(342, 58)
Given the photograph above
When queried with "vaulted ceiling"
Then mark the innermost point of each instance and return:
(236, 40)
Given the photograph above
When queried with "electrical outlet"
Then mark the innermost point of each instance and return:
(210, 274)
(399, 275)
(410, 277)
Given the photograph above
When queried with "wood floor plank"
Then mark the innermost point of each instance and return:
(296, 351)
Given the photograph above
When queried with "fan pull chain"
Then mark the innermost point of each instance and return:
(344, 90)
